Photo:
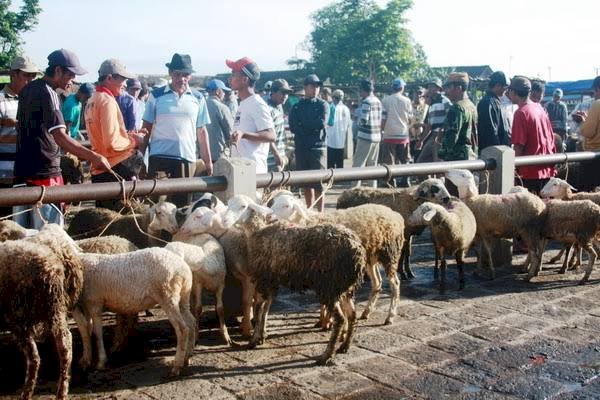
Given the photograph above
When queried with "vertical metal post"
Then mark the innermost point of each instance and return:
(241, 177)
(501, 180)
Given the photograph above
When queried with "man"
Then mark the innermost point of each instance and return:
(221, 120)
(308, 119)
(231, 101)
(557, 111)
(107, 132)
(537, 91)
(42, 133)
(436, 115)
(71, 109)
(177, 118)
(280, 89)
(493, 126)
(396, 115)
(22, 71)
(369, 128)
(337, 133)
(420, 108)
(590, 130)
(531, 134)
(575, 139)
(459, 137)
(127, 105)
(253, 127)
(134, 88)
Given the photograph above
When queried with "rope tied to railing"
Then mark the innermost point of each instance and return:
(324, 188)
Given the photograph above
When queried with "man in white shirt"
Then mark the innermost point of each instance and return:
(340, 122)
(253, 127)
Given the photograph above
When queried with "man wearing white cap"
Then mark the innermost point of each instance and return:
(557, 111)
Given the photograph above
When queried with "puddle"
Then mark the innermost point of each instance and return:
(572, 387)
(471, 389)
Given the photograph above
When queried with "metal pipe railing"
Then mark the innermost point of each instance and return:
(559, 158)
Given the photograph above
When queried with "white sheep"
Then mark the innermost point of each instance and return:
(452, 230)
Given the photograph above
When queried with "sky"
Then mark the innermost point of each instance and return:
(553, 40)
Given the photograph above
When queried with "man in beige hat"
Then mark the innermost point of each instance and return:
(458, 140)
(22, 71)
(106, 129)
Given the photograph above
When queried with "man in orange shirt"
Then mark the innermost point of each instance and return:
(106, 129)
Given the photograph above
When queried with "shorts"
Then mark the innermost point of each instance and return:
(311, 159)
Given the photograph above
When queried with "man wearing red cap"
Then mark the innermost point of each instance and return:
(253, 127)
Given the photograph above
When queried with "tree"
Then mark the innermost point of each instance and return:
(12, 25)
(358, 38)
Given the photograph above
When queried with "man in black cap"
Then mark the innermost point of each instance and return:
(176, 117)
(433, 128)
(280, 89)
(42, 132)
(370, 115)
(493, 126)
(308, 119)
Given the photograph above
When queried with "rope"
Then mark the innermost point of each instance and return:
(39, 205)
(328, 185)
(388, 176)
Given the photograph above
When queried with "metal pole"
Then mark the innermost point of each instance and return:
(550, 159)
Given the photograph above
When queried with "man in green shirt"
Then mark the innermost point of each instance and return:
(71, 108)
(458, 140)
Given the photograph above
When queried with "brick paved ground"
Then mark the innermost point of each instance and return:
(499, 339)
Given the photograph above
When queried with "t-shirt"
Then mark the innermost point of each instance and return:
(106, 129)
(253, 116)
(533, 130)
(128, 109)
(342, 121)
(279, 123)
(590, 128)
(71, 110)
(39, 115)
(219, 129)
(9, 103)
(175, 120)
(397, 112)
(369, 123)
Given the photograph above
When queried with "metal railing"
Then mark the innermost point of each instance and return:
(141, 188)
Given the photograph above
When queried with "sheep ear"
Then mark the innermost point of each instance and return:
(428, 216)
(213, 201)
(443, 179)
(262, 210)
(571, 187)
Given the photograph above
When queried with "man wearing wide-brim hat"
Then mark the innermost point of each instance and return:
(176, 117)
(434, 122)
(459, 140)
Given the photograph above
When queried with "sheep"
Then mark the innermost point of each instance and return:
(10, 230)
(452, 229)
(71, 169)
(90, 222)
(127, 284)
(380, 230)
(404, 202)
(40, 281)
(327, 258)
(207, 262)
(106, 245)
(501, 216)
(207, 199)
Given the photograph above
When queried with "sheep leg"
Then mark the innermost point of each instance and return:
(401, 262)
(32, 359)
(375, 277)
(190, 320)
(247, 297)
(557, 257)
(407, 269)
(263, 304)
(487, 248)
(221, 315)
(64, 345)
(535, 254)
(324, 321)
(395, 286)
(96, 314)
(197, 303)
(84, 324)
(575, 261)
(436, 266)
(461, 269)
(565, 250)
(443, 273)
(349, 310)
(592, 258)
(125, 326)
(170, 308)
(338, 320)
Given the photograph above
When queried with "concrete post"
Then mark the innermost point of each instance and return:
(241, 177)
(499, 181)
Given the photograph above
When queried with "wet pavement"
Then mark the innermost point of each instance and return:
(501, 339)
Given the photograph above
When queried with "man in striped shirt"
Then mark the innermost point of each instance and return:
(436, 115)
(369, 128)
(280, 90)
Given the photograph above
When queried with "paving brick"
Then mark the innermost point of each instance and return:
(282, 391)
(523, 386)
(457, 343)
(333, 383)
(422, 355)
(430, 385)
(380, 340)
(380, 393)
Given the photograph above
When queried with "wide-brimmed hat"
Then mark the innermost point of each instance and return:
(282, 86)
(520, 83)
(181, 62)
(24, 64)
(435, 82)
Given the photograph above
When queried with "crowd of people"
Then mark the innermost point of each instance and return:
(135, 131)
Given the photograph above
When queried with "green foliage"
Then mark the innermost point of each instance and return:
(12, 24)
(358, 38)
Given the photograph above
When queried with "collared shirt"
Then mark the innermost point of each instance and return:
(140, 107)
(342, 122)
(9, 103)
(71, 110)
(253, 116)
(106, 129)
(492, 125)
(175, 120)
(457, 140)
(278, 122)
(590, 128)
(532, 130)
(127, 106)
(557, 111)
(308, 119)
(436, 115)
(369, 122)
(38, 116)
(220, 127)
(419, 115)
(397, 112)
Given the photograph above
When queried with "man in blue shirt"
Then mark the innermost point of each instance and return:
(127, 105)
(176, 118)
(71, 109)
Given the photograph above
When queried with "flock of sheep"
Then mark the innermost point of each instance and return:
(47, 274)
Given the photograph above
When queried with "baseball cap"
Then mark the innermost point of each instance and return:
(366, 85)
(215, 84)
(67, 59)
(246, 66)
(24, 64)
(281, 85)
(113, 66)
(498, 78)
(313, 79)
(435, 82)
(134, 84)
(520, 83)
(398, 83)
(457, 77)
(558, 92)
(87, 88)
